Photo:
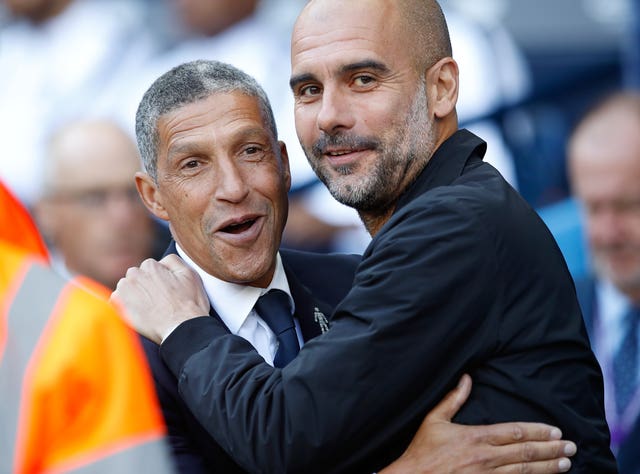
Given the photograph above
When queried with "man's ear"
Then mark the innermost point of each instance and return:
(284, 163)
(442, 87)
(148, 191)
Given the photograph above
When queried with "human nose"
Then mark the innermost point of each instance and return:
(231, 185)
(605, 226)
(335, 113)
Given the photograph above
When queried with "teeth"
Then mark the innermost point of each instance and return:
(339, 153)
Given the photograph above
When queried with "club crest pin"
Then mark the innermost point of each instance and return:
(321, 319)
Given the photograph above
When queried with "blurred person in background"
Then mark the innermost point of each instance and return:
(75, 391)
(89, 211)
(604, 169)
(60, 59)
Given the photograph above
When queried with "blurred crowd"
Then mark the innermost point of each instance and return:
(74, 71)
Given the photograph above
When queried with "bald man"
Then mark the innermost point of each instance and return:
(89, 211)
(604, 170)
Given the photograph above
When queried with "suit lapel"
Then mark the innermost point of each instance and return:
(313, 314)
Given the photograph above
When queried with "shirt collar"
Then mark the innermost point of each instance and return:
(234, 302)
(613, 304)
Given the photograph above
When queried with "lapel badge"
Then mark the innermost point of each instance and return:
(321, 319)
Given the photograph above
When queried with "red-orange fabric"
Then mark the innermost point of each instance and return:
(16, 225)
(87, 393)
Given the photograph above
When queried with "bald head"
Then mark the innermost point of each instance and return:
(613, 124)
(96, 151)
(90, 211)
(378, 76)
(427, 29)
(421, 22)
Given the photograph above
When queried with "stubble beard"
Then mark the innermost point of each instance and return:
(399, 161)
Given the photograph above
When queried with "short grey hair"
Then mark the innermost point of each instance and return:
(185, 84)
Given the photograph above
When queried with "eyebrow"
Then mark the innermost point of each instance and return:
(365, 64)
(182, 148)
(257, 133)
(300, 78)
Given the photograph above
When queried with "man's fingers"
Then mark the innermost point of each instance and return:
(539, 467)
(534, 453)
(451, 403)
(507, 433)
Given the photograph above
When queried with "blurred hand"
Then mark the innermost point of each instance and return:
(158, 296)
(440, 446)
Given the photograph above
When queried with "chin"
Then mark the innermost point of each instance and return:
(254, 276)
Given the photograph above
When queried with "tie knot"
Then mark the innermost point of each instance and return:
(275, 309)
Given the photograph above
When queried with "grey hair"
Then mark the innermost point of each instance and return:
(185, 84)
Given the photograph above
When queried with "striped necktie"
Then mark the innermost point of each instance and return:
(625, 362)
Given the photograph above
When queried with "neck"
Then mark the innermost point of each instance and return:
(373, 221)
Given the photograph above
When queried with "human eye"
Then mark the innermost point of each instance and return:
(190, 164)
(308, 91)
(253, 151)
(92, 199)
(363, 80)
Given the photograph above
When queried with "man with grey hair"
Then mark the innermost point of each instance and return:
(216, 172)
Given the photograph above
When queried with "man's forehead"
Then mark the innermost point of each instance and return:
(351, 34)
(214, 107)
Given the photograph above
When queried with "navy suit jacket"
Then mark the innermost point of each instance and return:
(629, 453)
(317, 282)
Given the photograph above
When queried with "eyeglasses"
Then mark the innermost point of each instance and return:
(99, 198)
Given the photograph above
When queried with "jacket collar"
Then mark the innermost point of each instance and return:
(446, 164)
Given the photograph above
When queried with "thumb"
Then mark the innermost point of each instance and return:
(452, 402)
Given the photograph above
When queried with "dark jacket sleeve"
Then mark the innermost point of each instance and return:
(192, 448)
(447, 287)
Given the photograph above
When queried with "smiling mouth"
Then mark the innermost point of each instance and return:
(341, 153)
(238, 228)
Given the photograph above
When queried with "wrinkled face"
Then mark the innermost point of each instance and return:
(605, 171)
(94, 217)
(222, 184)
(360, 102)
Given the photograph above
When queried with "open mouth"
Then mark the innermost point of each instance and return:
(340, 153)
(239, 227)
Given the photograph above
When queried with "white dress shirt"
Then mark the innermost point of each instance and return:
(234, 304)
